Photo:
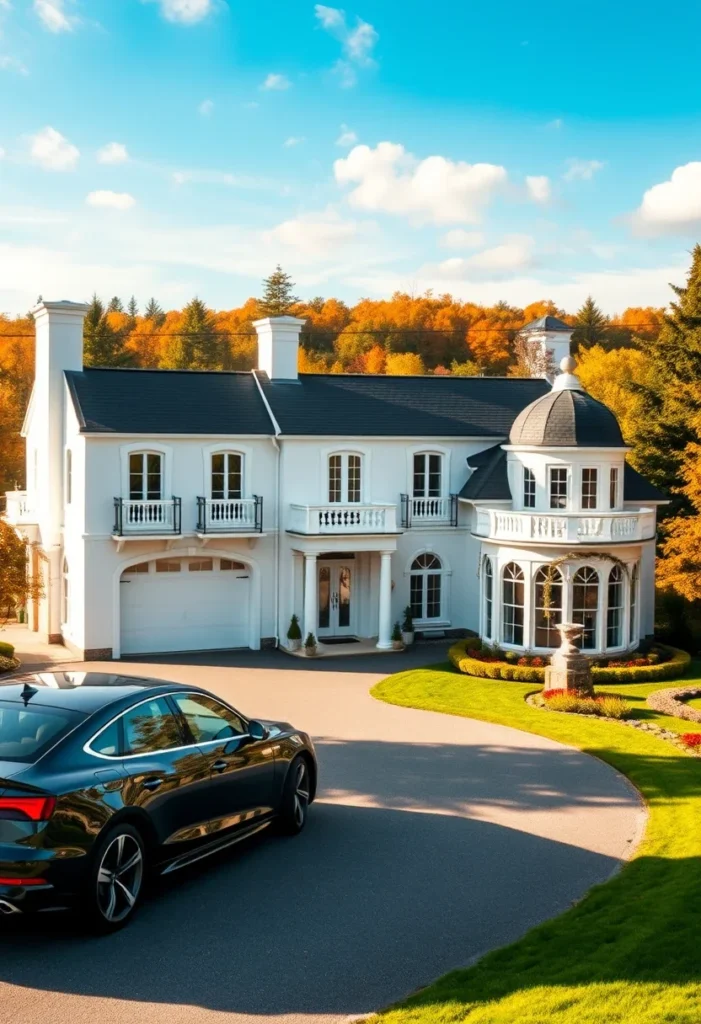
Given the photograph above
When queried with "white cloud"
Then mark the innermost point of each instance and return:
(358, 42)
(438, 190)
(460, 239)
(50, 150)
(316, 234)
(212, 177)
(276, 82)
(186, 12)
(538, 187)
(673, 205)
(53, 17)
(110, 200)
(113, 153)
(205, 108)
(347, 137)
(8, 63)
(294, 140)
(581, 170)
(513, 254)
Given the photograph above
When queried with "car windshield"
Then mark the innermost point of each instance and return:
(27, 732)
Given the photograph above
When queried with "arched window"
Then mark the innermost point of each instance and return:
(145, 476)
(345, 477)
(488, 597)
(512, 605)
(632, 625)
(428, 475)
(227, 476)
(585, 605)
(65, 594)
(426, 586)
(614, 608)
(547, 619)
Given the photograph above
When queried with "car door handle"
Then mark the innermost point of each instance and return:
(220, 766)
(151, 784)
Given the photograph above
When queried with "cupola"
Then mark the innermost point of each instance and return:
(567, 417)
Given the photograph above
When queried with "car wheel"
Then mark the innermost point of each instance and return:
(116, 878)
(295, 797)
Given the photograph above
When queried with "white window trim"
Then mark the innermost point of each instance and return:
(483, 624)
(527, 616)
(435, 449)
(365, 477)
(597, 506)
(167, 466)
(534, 506)
(244, 450)
(446, 572)
(548, 470)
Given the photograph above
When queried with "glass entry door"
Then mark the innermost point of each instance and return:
(336, 611)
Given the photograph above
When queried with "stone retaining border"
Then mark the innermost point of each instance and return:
(671, 702)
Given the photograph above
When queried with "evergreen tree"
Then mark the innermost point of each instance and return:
(198, 345)
(672, 392)
(115, 305)
(154, 312)
(103, 346)
(133, 308)
(591, 326)
(277, 298)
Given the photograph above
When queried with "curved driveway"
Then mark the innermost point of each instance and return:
(434, 839)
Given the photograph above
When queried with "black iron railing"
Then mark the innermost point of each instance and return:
(429, 511)
(147, 518)
(230, 515)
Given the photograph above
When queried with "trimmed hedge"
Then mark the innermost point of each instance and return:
(459, 656)
(6, 650)
(8, 664)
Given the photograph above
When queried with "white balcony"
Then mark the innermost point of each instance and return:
(429, 511)
(631, 525)
(18, 510)
(147, 518)
(342, 519)
(229, 515)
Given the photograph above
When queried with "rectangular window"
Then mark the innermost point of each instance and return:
(428, 475)
(558, 487)
(69, 476)
(433, 596)
(590, 482)
(201, 565)
(335, 478)
(138, 568)
(227, 476)
(528, 488)
(145, 476)
(227, 565)
(353, 478)
(417, 596)
(166, 565)
(613, 487)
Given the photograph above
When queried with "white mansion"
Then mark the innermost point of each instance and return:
(181, 511)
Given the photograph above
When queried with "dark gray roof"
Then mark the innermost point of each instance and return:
(546, 323)
(378, 406)
(567, 418)
(488, 481)
(167, 402)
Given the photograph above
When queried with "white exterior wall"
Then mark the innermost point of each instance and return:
(574, 460)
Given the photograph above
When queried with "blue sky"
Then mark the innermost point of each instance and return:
(496, 151)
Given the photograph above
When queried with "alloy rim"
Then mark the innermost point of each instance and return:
(119, 878)
(301, 794)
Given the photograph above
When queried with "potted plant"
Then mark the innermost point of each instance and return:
(310, 646)
(294, 634)
(397, 642)
(407, 627)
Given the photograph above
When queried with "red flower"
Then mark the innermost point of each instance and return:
(691, 739)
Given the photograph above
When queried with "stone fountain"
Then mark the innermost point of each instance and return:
(569, 669)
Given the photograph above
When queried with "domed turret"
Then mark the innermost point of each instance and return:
(567, 417)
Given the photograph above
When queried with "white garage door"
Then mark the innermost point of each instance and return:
(184, 604)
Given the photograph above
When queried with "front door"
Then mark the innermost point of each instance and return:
(336, 609)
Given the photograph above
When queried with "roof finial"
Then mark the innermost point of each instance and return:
(567, 380)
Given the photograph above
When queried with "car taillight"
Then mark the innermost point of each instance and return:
(26, 808)
(23, 881)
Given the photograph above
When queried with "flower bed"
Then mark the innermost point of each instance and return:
(470, 657)
(605, 705)
(671, 702)
(692, 740)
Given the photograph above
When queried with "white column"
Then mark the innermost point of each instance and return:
(311, 615)
(384, 641)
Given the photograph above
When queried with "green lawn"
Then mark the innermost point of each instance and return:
(629, 952)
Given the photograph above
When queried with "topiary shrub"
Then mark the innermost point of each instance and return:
(8, 664)
(6, 650)
(674, 667)
(460, 655)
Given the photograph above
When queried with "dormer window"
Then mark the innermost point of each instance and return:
(558, 487)
(590, 484)
(528, 488)
(345, 471)
(145, 476)
(227, 476)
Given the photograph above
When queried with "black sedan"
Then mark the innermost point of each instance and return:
(104, 778)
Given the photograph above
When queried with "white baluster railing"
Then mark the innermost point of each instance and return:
(227, 514)
(430, 510)
(148, 516)
(18, 508)
(570, 528)
(343, 518)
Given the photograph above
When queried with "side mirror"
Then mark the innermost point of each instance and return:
(257, 731)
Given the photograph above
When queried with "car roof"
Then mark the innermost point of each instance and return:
(86, 692)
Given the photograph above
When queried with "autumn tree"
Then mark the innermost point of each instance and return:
(278, 298)
(671, 396)
(590, 326)
(404, 364)
(680, 568)
(103, 344)
(115, 305)
(197, 345)
(15, 586)
(610, 376)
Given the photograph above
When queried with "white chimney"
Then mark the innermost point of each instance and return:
(547, 344)
(278, 345)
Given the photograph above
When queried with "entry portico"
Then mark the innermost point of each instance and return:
(344, 584)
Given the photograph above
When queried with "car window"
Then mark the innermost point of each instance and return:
(28, 732)
(207, 718)
(150, 726)
(108, 741)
